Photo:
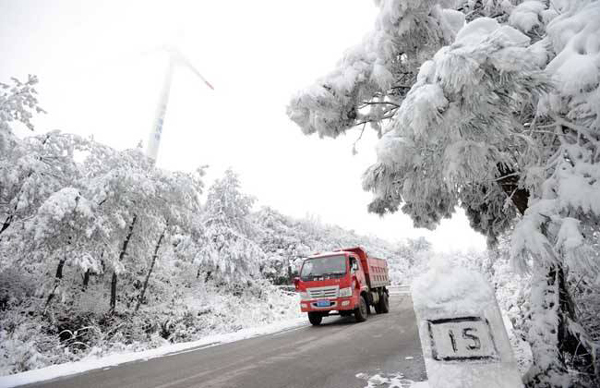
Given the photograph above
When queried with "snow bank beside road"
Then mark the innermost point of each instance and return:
(91, 363)
(438, 287)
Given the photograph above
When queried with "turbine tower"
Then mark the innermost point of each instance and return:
(175, 58)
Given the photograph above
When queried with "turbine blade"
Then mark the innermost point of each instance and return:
(183, 59)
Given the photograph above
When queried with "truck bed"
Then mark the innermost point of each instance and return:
(376, 270)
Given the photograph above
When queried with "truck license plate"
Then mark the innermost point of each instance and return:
(322, 303)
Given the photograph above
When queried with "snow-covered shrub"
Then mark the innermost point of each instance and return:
(23, 346)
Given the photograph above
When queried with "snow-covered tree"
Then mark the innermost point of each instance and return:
(34, 169)
(284, 241)
(137, 204)
(228, 254)
(51, 179)
(65, 230)
(18, 102)
(503, 121)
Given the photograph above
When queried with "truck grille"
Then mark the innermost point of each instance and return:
(323, 292)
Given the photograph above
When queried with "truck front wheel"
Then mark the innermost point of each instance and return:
(362, 310)
(315, 318)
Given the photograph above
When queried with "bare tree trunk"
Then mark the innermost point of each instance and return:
(113, 292)
(6, 223)
(114, 280)
(154, 257)
(57, 280)
(86, 279)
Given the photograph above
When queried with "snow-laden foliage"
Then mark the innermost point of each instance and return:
(501, 118)
(565, 187)
(65, 231)
(456, 128)
(37, 167)
(228, 252)
(18, 103)
(372, 79)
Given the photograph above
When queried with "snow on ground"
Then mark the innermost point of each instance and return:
(93, 362)
(199, 313)
(390, 380)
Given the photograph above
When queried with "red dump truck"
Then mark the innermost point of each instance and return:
(343, 282)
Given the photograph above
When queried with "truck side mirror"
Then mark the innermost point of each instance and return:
(296, 281)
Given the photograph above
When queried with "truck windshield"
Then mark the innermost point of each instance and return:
(328, 266)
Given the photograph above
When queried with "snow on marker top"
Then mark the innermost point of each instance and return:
(461, 330)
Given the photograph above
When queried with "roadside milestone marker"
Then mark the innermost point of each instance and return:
(462, 334)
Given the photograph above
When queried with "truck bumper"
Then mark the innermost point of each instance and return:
(309, 306)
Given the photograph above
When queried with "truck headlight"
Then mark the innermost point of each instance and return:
(304, 295)
(345, 292)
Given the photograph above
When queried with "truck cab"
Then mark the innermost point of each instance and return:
(343, 282)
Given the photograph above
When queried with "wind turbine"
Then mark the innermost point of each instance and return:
(176, 58)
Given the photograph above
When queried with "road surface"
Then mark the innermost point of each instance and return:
(330, 355)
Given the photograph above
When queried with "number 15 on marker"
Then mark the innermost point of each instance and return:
(467, 338)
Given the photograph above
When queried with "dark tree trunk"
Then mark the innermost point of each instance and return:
(59, 269)
(113, 292)
(6, 223)
(114, 280)
(566, 340)
(57, 280)
(86, 279)
(154, 257)
(509, 182)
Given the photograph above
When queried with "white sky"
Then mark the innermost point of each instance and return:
(99, 75)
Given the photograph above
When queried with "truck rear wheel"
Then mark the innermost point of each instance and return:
(362, 310)
(315, 318)
(384, 304)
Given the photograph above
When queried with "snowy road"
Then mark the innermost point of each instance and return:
(331, 356)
